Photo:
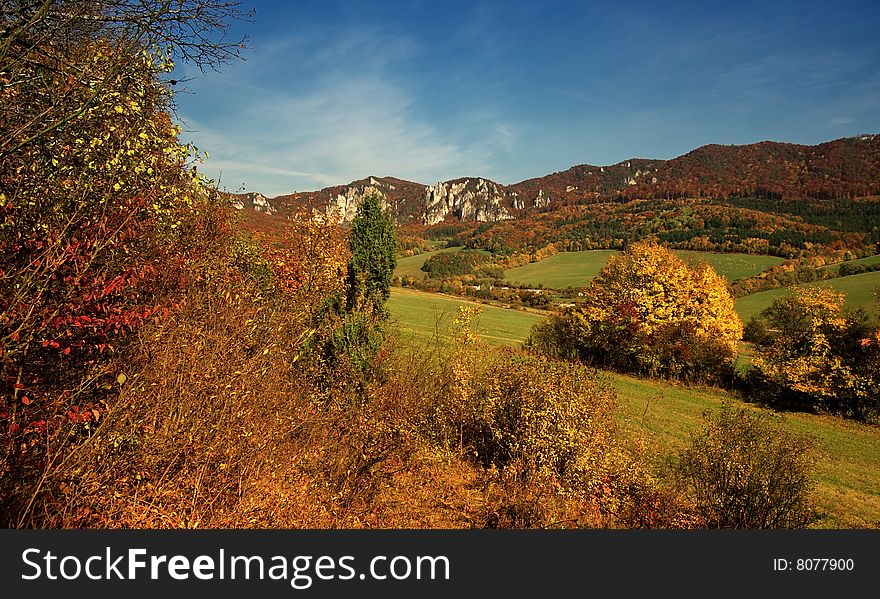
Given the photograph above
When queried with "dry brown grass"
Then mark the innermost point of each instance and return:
(220, 424)
(229, 418)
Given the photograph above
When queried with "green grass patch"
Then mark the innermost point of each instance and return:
(859, 290)
(575, 269)
(664, 416)
(751, 305)
(869, 261)
(412, 265)
(421, 315)
(566, 269)
(732, 266)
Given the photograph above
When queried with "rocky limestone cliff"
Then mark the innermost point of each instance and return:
(841, 168)
(402, 199)
(253, 201)
(542, 200)
(467, 200)
(346, 203)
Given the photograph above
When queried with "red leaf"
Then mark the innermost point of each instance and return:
(25, 400)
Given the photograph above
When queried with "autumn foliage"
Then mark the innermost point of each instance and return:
(99, 223)
(542, 433)
(815, 355)
(166, 363)
(843, 168)
(102, 225)
(649, 312)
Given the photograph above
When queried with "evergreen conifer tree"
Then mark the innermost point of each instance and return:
(373, 246)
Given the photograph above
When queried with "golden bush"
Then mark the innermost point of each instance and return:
(650, 312)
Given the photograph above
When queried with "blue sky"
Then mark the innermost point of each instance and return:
(333, 91)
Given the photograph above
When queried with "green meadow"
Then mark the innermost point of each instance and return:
(661, 416)
(566, 269)
(422, 315)
(869, 261)
(575, 269)
(732, 266)
(859, 290)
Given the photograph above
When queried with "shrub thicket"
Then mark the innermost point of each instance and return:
(543, 433)
(464, 262)
(746, 471)
(101, 217)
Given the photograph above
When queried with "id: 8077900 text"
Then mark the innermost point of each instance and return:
(813, 564)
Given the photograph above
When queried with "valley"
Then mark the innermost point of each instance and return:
(433, 266)
(661, 416)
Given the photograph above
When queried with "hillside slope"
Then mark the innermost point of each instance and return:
(842, 168)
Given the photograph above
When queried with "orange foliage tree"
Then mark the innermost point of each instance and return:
(101, 214)
(650, 312)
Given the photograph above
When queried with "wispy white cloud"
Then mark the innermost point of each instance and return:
(349, 117)
(516, 90)
(792, 77)
(838, 121)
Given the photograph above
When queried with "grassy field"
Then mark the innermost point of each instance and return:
(859, 291)
(419, 315)
(412, 265)
(575, 269)
(566, 269)
(663, 416)
(733, 266)
(870, 260)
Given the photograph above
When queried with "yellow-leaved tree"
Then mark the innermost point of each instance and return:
(651, 313)
(818, 356)
(802, 356)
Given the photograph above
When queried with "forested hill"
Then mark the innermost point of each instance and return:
(843, 168)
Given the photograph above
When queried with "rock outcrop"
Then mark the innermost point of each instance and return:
(253, 201)
(467, 200)
(542, 200)
(346, 203)
(840, 168)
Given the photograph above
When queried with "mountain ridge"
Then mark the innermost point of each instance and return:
(845, 167)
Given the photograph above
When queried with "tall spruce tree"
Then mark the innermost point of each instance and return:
(373, 246)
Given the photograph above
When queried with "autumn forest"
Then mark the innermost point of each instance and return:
(683, 344)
